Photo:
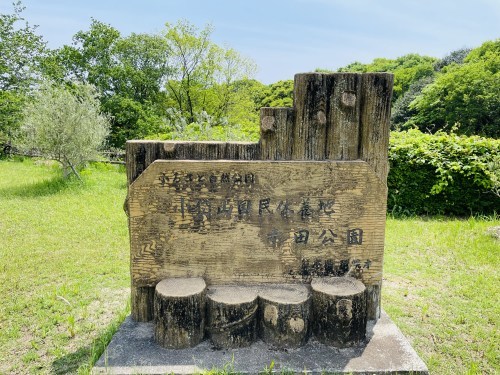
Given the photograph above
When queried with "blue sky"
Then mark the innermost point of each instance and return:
(288, 37)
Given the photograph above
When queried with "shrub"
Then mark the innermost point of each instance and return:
(64, 125)
(442, 174)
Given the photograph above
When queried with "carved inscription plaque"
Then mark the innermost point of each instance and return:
(256, 221)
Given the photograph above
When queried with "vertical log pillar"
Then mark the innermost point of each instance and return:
(339, 310)
(343, 116)
(179, 312)
(310, 128)
(276, 126)
(376, 95)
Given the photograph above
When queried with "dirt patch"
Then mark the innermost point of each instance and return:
(494, 232)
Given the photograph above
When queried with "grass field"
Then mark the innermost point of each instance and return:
(64, 276)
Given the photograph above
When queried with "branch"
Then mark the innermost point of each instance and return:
(73, 168)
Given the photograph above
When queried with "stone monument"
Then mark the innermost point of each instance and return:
(270, 246)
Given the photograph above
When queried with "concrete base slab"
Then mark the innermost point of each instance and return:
(386, 351)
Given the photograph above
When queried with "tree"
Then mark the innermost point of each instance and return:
(278, 94)
(65, 125)
(407, 69)
(129, 73)
(455, 57)
(465, 98)
(20, 52)
(402, 111)
(203, 75)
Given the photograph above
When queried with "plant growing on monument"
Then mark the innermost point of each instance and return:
(65, 124)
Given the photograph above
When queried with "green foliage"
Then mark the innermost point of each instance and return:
(454, 57)
(204, 76)
(20, 52)
(407, 70)
(402, 112)
(10, 111)
(132, 119)
(129, 73)
(486, 52)
(278, 94)
(64, 126)
(141, 76)
(465, 98)
(206, 128)
(442, 174)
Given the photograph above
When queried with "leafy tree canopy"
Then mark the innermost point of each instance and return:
(205, 77)
(464, 98)
(20, 52)
(278, 94)
(407, 69)
(64, 124)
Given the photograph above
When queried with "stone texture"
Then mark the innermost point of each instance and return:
(133, 351)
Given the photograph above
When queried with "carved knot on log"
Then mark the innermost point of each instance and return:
(267, 124)
(321, 118)
(348, 99)
(339, 309)
(169, 148)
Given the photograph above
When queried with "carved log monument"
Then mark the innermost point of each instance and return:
(287, 234)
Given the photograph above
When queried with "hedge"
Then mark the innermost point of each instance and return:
(443, 174)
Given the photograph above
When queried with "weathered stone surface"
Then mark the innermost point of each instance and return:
(339, 310)
(299, 219)
(133, 351)
(179, 312)
(232, 316)
(285, 312)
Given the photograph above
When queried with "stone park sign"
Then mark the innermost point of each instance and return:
(249, 222)
(280, 240)
(256, 221)
(308, 201)
(257, 248)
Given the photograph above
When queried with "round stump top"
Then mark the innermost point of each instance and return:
(338, 286)
(181, 287)
(232, 294)
(285, 293)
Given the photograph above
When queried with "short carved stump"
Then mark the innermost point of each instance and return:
(339, 310)
(179, 312)
(285, 311)
(232, 316)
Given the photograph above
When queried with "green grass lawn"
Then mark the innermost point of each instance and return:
(64, 276)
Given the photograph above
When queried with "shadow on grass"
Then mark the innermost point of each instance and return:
(83, 359)
(43, 188)
(70, 363)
